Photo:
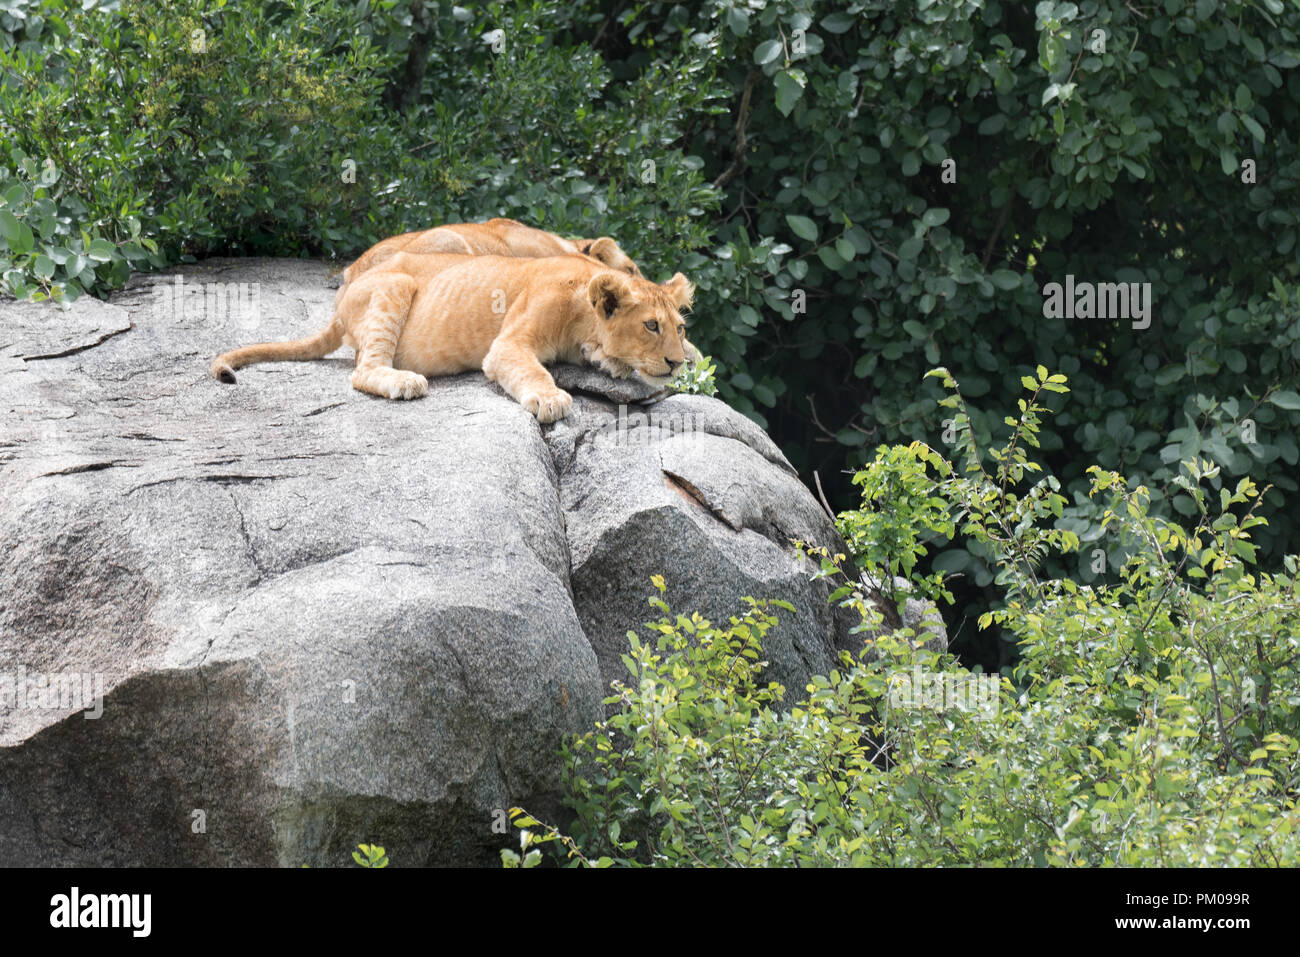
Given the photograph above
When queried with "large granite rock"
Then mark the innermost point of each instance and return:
(317, 618)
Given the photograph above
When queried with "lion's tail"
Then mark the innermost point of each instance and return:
(313, 347)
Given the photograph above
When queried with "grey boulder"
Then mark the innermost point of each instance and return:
(260, 624)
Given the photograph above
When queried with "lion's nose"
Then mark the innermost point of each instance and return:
(672, 363)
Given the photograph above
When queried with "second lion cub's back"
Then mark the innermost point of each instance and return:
(496, 237)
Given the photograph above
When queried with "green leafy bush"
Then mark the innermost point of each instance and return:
(899, 503)
(698, 377)
(519, 117)
(147, 131)
(1154, 719)
(164, 130)
(912, 176)
(370, 855)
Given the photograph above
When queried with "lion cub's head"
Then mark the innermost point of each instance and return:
(607, 251)
(639, 326)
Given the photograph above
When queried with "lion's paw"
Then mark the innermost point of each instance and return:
(548, 405)
(616, 367)
(407, 385)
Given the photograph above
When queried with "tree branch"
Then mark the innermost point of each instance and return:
(402, 96)
(1003, 215)
(741, 158)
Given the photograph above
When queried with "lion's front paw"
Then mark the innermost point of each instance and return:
(547, 405)
(616, 367)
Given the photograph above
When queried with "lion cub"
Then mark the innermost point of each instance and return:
(496, 237)
(432, 314)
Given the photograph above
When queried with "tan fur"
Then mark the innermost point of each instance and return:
(607, 251)
(496, 237)
(420, 315)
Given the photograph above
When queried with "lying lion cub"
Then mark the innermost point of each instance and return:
(431, 314)
(496, 237)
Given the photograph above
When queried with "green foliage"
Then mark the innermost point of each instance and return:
(531, 843)
(1154, 719)
(696, 378)
(899, 503)
(57, 235)
(370, 855)
(1103, 140)
(49, 245)
(666, 738)
(140, 135)
(539, 131)
(170, 129)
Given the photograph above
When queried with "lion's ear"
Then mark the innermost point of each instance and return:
(584, 245)
(605, 250)
(681, 289)
(606, 292)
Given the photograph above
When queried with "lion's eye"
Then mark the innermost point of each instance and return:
(652, 326)
(681, 331)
